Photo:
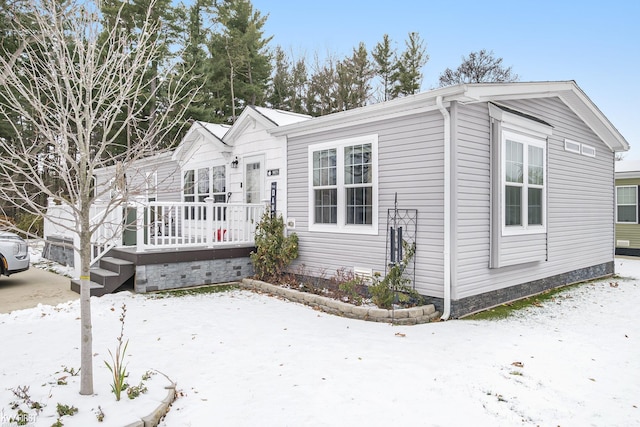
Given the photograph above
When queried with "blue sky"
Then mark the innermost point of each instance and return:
(595, 43)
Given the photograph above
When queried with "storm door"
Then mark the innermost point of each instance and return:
(253, 191)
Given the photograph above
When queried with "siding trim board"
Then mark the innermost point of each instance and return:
(524, 244)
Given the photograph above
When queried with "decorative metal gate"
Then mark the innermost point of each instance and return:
(402, 227)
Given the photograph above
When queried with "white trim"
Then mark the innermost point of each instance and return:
(341, 226)
(254, 158)
(524, 228)
(588, 150)
(572, 146)
(636, 204)
(518, 123)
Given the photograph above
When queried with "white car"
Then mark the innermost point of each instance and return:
(14, 253)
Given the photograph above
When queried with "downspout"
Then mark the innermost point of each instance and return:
(447, 208)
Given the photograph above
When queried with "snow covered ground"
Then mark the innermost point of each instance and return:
(243, 359)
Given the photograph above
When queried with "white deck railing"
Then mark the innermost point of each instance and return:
(163, 225)
(183, 224)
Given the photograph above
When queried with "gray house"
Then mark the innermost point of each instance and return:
(506, 190)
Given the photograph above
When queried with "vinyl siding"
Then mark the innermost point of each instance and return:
(168, 179)
(410, 160)
(630, 232)
(579, 193)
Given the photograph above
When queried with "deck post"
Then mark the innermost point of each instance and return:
(140, 228)
(210, 218)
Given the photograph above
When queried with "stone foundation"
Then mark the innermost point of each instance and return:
(476, 303)
(59, 249)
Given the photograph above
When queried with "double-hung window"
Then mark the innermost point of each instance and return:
(627, 204)
(343, 185)
(524, 171)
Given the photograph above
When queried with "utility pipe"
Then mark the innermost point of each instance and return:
(447, 208)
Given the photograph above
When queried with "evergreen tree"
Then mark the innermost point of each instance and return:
(299, 83)
(195, 61)
(385, 65)
(281, 90)
(244, 58)
(354, 79)
(323, 87)
(408, 75)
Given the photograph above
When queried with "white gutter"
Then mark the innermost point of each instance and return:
(447, 208)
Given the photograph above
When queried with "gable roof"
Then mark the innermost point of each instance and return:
(567, 91)
(213, 132)
(267, 117)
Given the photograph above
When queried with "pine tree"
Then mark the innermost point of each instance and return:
(245, 60)
(195, 61)
(385, 65)
(281, 90)
(408, 74)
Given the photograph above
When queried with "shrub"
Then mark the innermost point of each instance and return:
(394, 287)
(274, 251)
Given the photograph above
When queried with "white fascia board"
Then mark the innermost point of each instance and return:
(413, 104)
(584, 108)
(248, 117)
(628, 175)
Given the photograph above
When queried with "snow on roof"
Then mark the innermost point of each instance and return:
(627, 165)
(281, 117)
(217, 129)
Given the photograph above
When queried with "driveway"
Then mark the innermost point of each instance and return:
(33, 287)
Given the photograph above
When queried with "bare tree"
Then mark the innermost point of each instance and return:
(83, 84)
(478, 67)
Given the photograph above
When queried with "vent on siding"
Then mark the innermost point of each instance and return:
(365, 274)
(571, 146)
(622, 243)
(588, 150)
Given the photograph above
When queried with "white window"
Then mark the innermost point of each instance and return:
(343, 193)
(627, 204)
(201, 183)
(523, 178)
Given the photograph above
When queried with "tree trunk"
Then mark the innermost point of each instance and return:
(86, 334)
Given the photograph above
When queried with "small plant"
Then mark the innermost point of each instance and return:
(147, 375)
(22, 392)
(71, 371)
(350, 290)
(63, 410)
(117, 367)
(135, 391)
(100, 414)
(22, 418)
(274, 251)
(58, 423)
(394, 287)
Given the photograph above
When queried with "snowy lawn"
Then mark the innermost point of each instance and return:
(243, 359)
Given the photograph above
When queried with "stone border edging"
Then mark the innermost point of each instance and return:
(402, 316)
(153, 419)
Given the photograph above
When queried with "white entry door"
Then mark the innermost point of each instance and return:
(253, 180)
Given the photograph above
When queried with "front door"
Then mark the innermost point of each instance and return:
(253, 179)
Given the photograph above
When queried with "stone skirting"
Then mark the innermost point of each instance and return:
(628, 251)
(476, 303)
(404, 316)
(159, 271)
(59, 249)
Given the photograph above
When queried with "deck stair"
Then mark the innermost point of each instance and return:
(110, 274)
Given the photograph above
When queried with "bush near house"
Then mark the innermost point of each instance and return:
(274, 250)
